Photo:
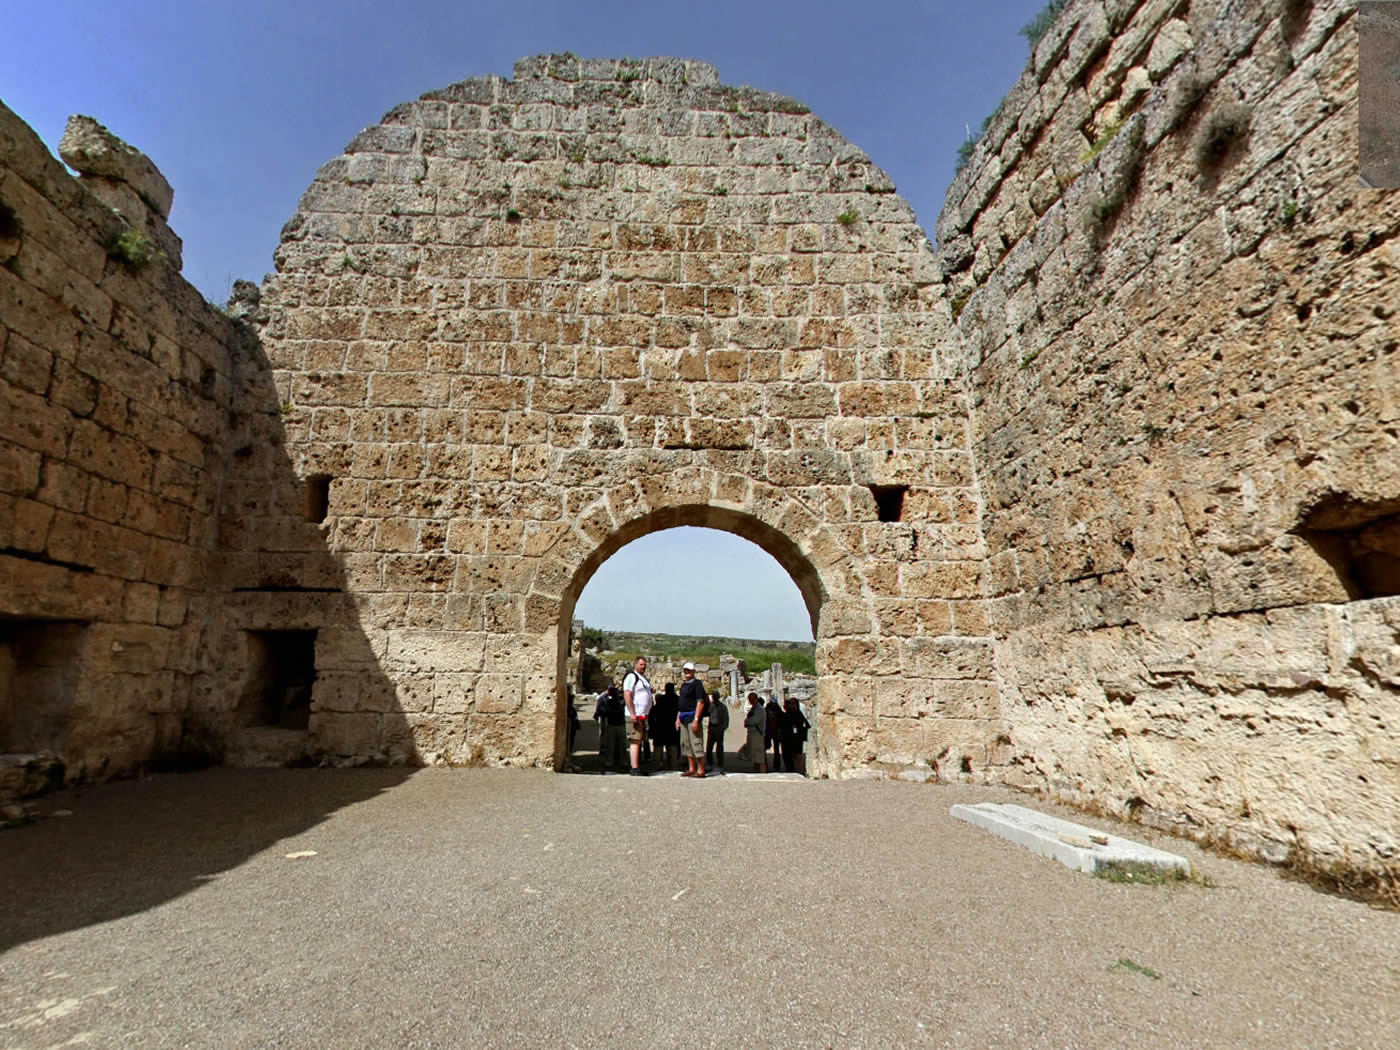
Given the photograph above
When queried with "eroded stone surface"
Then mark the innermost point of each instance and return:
(90, 149)
(1184, 429)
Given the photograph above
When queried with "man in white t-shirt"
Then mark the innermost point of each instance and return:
(637, 695)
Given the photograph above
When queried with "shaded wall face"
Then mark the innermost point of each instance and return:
(1177, 312)
(521, 319)
(112, 381)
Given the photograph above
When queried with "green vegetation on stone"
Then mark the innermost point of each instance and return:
(1038, 26)
(970, 143)
(133, 250)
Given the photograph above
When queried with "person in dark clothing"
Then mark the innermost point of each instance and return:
(689, 723)
(572, 733)
(773, 733)
(714, 746)
(754, 723)
(664, 737)
(794, 737)
(612, 745)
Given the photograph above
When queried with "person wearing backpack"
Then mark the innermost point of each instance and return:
(714, 747)
(637, 698)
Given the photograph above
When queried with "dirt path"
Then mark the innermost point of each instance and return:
(500, 908)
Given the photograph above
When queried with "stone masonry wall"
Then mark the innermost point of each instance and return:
(1176, 308)
(112, 379)
(522, 322)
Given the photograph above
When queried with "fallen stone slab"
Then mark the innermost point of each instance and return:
(1073, 845)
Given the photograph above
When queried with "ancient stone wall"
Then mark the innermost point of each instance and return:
(1176, 308)
(1101, 501)
(522, 322)
(113, 372)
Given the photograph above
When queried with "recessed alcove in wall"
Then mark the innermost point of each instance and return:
(1359, 540)
(317, 498)
(281, 668)
(38, 677)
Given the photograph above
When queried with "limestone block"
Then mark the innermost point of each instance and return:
(335, 692)
(89, 148)
(1073, 845)
(348, 735)
(904, 698)
(948, 658)
(1171, 42)
(423, 651)
(966, 699)
(133, 207)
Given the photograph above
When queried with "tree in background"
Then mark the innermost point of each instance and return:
(593, 638)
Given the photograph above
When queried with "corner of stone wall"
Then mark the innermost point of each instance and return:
(114, 379)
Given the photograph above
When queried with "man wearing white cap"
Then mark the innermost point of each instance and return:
(692, 709)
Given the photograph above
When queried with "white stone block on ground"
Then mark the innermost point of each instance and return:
(1073, 845)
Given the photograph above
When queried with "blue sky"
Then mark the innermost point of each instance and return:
(240, 103)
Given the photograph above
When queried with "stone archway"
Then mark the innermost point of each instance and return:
(806, 576)
(520, 321)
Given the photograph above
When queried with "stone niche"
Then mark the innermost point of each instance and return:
(38, 680)
(281, 670)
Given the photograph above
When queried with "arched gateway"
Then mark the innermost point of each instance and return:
(522, 322)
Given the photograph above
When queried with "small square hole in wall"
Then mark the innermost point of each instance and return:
(318, 497)
(889, 501)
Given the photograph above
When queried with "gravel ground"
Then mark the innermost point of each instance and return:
(472, 908)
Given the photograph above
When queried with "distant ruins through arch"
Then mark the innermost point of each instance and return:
(1097, 499)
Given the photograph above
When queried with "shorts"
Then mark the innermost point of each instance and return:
(692, 740)
(636, 730)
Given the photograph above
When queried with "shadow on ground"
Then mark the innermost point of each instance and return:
(134, 845)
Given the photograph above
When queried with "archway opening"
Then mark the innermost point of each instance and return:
(711, 587)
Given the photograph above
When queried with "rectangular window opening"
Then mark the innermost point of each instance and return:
(889, 501)
(318, 497)
(38, 678)
(281, 672)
